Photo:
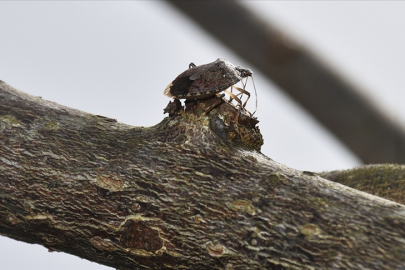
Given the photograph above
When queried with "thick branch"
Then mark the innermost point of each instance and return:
(332, 99)
(188, 193)
(384, 180)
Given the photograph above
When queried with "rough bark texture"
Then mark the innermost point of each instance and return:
(192, 192)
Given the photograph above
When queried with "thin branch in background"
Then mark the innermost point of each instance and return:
(332, 99)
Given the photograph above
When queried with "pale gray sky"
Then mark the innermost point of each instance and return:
(116, 58)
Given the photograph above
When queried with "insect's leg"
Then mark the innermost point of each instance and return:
(233, 96)
(192, 65)
(244, 87)
(240, 94)
(230, 96)
(243, 91)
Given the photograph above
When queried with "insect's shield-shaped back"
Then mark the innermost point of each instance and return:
(199, 82)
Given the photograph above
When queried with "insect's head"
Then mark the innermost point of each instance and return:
(244, 72)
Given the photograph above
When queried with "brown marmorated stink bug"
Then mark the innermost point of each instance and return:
(210, 79)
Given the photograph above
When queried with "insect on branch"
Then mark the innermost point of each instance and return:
(208, 80)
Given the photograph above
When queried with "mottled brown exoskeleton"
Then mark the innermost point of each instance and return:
(208, 80)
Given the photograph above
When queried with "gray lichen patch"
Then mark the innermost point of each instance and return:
(111, 182)
(52, 125)
(13, 219)
(103, 243)
(244, 206)
(276, 177)
(310, 230)
(217, 250)
(9, 120)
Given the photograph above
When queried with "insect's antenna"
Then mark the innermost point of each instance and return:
(254, 86)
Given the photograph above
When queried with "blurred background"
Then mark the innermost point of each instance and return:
(116, 58)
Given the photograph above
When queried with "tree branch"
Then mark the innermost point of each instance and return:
(384, 180)
(192, 192)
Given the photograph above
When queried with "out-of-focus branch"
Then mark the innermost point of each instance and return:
(334, 101)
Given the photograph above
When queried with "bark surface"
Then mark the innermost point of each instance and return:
(383, 180)
(193, 192)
